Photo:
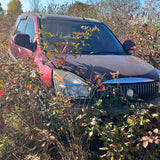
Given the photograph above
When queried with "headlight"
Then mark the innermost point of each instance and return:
(70, 85)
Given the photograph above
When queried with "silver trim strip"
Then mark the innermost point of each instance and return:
(128, 80)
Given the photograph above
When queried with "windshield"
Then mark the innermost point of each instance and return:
(102, 40)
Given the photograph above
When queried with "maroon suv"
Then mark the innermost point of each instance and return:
(103, 59)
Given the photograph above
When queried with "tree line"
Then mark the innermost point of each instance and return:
(99, 9)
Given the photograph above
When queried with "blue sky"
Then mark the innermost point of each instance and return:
(26, 5)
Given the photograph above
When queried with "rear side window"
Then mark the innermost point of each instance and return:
(21, 26)
(30, 29)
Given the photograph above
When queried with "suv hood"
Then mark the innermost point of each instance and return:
(91, 66)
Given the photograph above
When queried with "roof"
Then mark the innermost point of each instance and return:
(61, 17)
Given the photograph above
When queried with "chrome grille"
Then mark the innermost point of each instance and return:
(142, 90)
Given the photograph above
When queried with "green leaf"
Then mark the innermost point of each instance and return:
(141, 120)
(115, 128)
(90, 134)
(103, 149)
(99, 102)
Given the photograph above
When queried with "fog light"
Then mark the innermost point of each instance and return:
(130, 93)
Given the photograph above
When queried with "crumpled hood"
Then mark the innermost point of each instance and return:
(103, 66)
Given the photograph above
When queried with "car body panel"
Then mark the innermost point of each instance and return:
(89, 66)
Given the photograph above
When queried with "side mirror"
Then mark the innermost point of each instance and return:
(23, 40)
(128, 45)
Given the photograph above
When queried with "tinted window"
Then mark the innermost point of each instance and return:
(21, 26)
(102, 42)
(30, 29)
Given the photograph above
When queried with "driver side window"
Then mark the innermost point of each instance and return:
(21, 26)
(30, 29)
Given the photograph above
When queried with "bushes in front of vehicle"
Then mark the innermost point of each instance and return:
(125, 135)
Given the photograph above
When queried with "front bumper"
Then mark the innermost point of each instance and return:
(154, 100)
